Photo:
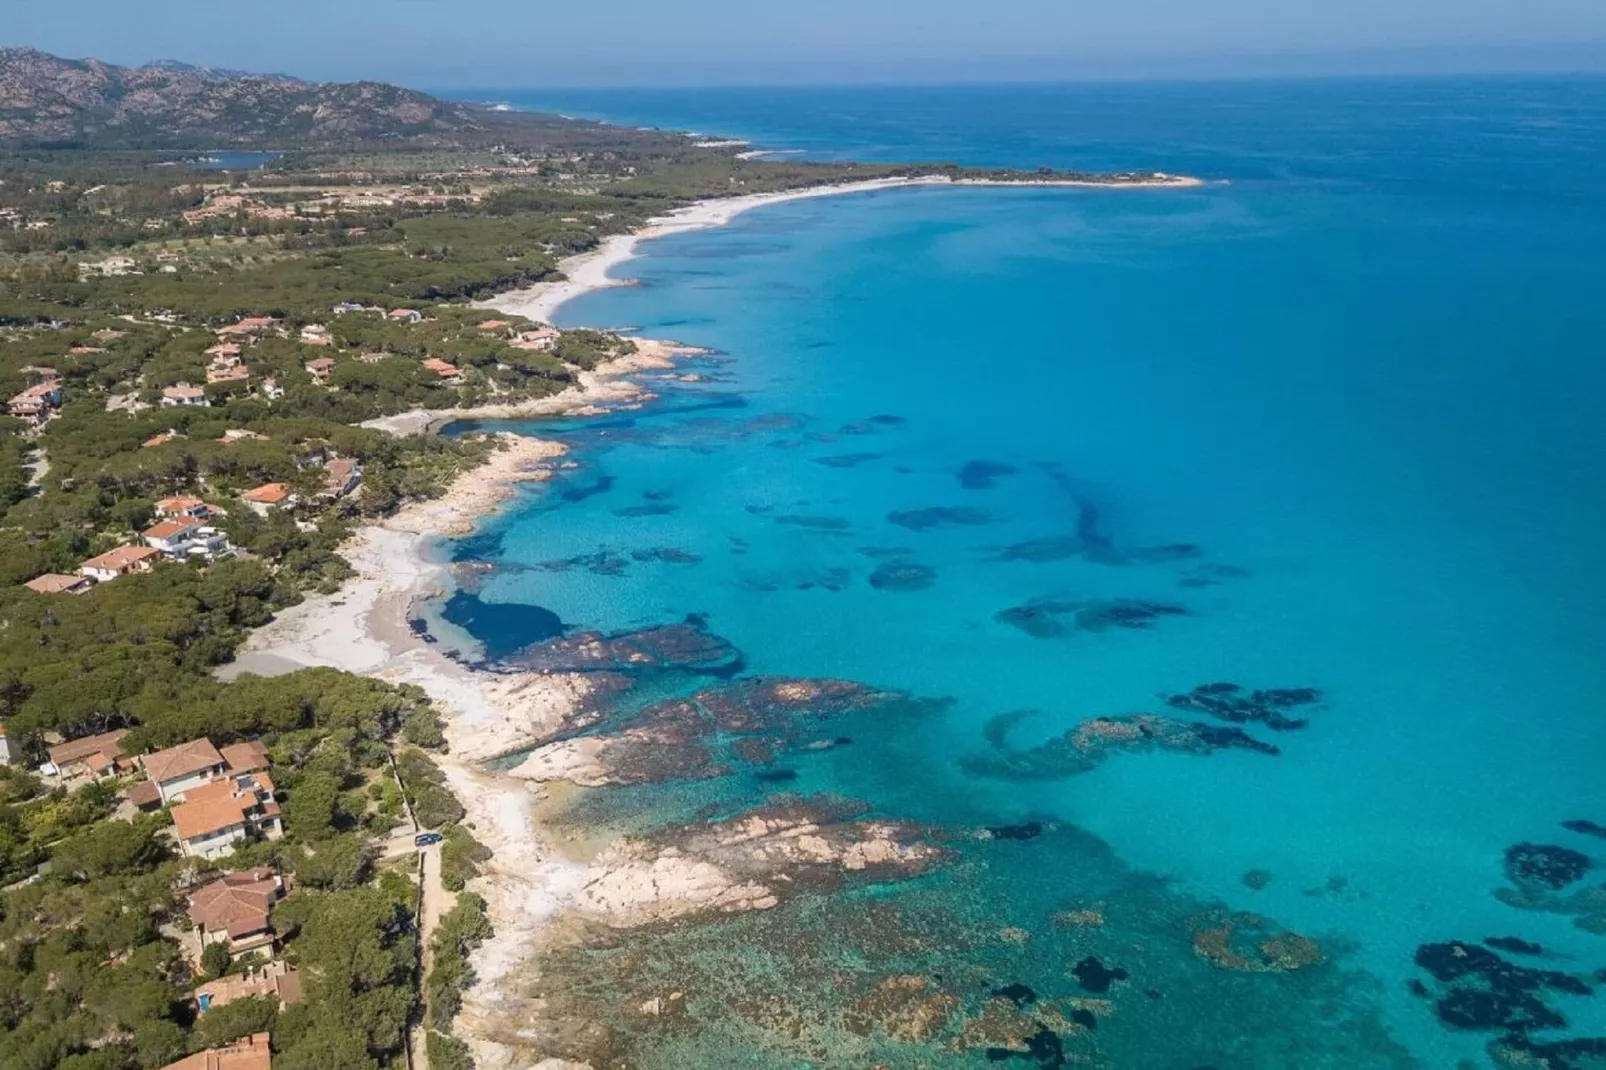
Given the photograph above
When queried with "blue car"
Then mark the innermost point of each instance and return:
(424, 839)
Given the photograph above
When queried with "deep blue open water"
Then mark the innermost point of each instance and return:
(1332, 423)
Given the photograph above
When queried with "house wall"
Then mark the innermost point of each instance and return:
(173, 790)
(215, 845)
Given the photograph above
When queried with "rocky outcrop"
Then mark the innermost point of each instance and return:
(752, 862)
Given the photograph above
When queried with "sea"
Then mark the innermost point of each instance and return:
(1303, 471)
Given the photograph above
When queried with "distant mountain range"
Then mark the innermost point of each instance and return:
(49, 101)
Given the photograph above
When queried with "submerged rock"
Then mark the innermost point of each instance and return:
(604, 562)
(1523, 1053)
(1230, 702)
(1545, 865)
(816, 523)
(1482, 991)
(902, 576)
(668, 555)
(688, 645)
(940, 516)
(1096, 977)
(710, 733)
(984, 475)
(848, 460)
(1091, 742)
(1514, 945)
(1044, 550)
(801, 579)
(1585, 828)
(645, 510)
(1047, 618)
(906, 1007)
(1248, 943)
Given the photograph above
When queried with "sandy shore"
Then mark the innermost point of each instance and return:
(590, 270)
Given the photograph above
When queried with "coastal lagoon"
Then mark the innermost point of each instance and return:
(1227, 562)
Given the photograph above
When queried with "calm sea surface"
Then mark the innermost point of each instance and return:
(1333, 423)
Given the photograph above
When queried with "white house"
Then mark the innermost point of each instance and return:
(119, 562)
(184, 395)
(177, 770)
(214, 817)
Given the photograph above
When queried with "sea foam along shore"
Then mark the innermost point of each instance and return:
(364, 627)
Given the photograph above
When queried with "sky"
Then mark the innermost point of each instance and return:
(459, 44)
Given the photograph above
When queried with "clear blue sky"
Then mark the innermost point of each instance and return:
(509, 43)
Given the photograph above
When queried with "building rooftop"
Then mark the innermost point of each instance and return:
(166, 529)
(249, 1053)
(55, 583)
(275, 980)
(122, 557)
(238, 903)
(223, 804)
(248, 757)
(183, 760)
(76, 750)
(268, 493)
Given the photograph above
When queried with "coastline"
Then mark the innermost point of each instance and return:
(364, 629)
(590, 270)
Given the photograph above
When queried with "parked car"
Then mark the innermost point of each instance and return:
(424, 839)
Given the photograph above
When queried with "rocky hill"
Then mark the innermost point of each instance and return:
(49, 101)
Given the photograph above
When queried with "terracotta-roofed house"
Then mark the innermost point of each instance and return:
(172, 536)
(55, 583)
(119, 562)
(184, 395)
(224, 351)
(248, 757)
(275, 980)
(235, 909)
(264, 499)
(247, 326)
(320, 369)
(145, 796)
(228, 373)
(177, 770)
(344, 476)
(161, 438)
(408, 315)
(216, 816)
(248, 1053)
(183, 505)
(36, 402)
(495, 325)
(88, 755)
(442, 369)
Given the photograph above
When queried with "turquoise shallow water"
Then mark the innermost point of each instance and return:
(1363, 379)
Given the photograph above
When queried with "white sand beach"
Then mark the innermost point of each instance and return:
(590, 270)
